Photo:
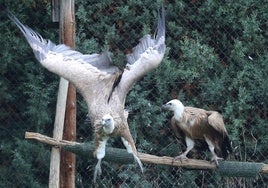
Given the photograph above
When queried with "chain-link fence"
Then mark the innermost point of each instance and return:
(216, 59)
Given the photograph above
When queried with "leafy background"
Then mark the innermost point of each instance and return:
(216, 59)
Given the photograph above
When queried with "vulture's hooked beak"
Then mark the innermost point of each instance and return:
(105, 122)
(164, 106)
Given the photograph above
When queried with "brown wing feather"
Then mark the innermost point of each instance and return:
(216, 121)
(205, 120)
(196, 122)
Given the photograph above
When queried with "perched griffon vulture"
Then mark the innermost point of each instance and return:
(103, 86)
(198, 124)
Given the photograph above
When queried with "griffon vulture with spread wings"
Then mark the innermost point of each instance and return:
(198, 124)
(95, 79)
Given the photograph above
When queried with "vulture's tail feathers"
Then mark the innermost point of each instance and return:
(226, 147)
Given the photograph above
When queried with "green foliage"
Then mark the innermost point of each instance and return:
(216, 59)
(22, 166)
(27, 102)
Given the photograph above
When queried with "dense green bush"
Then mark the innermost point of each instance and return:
(216, 59)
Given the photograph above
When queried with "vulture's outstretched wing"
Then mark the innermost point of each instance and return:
(146, 56)
(82, 70)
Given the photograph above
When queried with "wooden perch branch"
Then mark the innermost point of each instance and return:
(120, 155)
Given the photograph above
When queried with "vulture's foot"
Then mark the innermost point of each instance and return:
(181, 157)
(130, 147)
(215, 159)
(97, 171)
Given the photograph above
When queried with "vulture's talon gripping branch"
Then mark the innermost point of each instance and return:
(181, 157)
(216, 159)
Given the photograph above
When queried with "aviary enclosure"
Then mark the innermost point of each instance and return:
(215, 59)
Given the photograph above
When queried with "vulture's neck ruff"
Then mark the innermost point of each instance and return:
(178, 111)
(177, 107)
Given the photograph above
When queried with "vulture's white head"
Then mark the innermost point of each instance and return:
(176, 106)
(108, 123)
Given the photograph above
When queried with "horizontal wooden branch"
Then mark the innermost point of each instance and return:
(120, 155)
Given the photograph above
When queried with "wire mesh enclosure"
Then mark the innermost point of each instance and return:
(216, 59)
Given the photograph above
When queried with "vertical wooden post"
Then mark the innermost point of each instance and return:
(57, 134)
(67, 36)
(62, 165)
(54, 172)
(55, 9)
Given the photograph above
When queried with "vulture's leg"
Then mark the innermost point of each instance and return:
(211, 146)
(190, 145)
(97, 171)
(99, 153)
(134, 153)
